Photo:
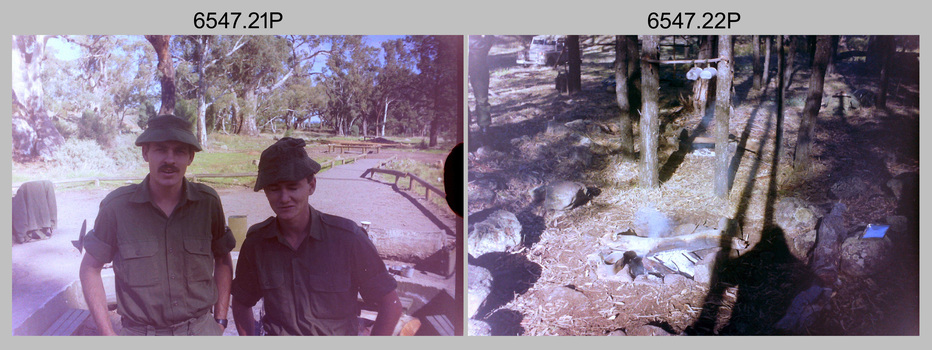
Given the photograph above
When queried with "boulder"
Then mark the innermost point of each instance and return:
(798, 220)
(650, 222)
(499, 232)
(479, 286)
(865, 257)
(479, 328)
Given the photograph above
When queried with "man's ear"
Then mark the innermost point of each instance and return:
(313, 183)
(145, 149)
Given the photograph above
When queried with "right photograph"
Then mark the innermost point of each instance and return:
(625, 185)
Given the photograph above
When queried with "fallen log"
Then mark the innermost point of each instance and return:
(646, 246)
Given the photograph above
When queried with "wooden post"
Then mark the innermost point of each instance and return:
(722, 116)
(650, 118)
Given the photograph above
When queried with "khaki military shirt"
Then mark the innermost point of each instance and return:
(163, 264)
(314, 289)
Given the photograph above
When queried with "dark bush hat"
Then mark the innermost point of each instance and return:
(285, 160)
(168, 128)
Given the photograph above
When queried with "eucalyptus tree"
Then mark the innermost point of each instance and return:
(440, 80)
(396, 79)
(33, 132)
(349, 83)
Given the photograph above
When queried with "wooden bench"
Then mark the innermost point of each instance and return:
(364, 148)
(68, 322)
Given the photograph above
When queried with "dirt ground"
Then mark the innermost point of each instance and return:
(552, 287)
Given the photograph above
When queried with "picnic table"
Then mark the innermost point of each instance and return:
(363, 147)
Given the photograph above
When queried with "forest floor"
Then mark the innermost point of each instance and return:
(555, 287)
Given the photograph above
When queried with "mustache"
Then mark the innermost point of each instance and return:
(168, 168)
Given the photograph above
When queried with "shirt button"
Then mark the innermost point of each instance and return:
(172, 276)
(171, 250)
(175, 303)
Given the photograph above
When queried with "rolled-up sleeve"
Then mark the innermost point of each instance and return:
(99, 243)
(223, 241)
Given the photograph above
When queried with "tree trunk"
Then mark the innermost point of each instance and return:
(650, 110)
(574, 77)
(722, 116)
(790, 66)
(33, 132)
(888, 50)
(758, 69)
(203, 45)
(802, 158)
(434, 131)
(831, 58)
(768, 42)
(625, 125)
(249, 127)
(701, 86)
(161, 44)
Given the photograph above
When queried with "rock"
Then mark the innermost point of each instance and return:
(798, 220)
(479, 328)
(804, 310)
(849, 187)
(826, 252)
(703, 274)
(617, 333)
(865, 257)
(500, 232)
(648, 330)
(556, 128)
(650, 222)
(685, 229)
(905, 188)
(480, 285)
(562, 195)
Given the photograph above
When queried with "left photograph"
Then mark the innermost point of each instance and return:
(237, 185)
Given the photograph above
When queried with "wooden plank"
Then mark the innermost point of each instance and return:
(68, 322)
(441, 323)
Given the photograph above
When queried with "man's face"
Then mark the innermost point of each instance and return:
(288, 199)
(168, 161)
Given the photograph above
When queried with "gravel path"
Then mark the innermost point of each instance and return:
(40, 270)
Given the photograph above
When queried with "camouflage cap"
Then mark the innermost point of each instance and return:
(168, 128)
(285, 160)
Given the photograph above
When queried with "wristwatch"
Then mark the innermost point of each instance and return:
(222, 322)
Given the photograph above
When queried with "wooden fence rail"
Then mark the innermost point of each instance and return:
(428, 188)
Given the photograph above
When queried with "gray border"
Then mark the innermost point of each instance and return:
(466, 17)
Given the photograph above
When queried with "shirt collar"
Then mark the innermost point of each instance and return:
(143, 195)
(316, 228)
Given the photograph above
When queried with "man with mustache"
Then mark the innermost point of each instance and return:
(168, 242)
(308, 267)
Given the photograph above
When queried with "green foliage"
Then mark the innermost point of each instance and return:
(92, 127)
(85, 158)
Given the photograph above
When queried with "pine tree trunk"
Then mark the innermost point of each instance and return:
(625, 125)
(768, 42)
(722, 116)
(650, 119)
(802, 158)
(888, 49)
(574, 78)
(758, 70)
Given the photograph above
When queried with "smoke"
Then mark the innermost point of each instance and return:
(650, 222)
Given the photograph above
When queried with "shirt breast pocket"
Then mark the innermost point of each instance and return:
(139, 265)
(198, 261)
(331, 296)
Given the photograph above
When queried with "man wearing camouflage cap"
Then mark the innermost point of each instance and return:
(168, 242)
(308, 266)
